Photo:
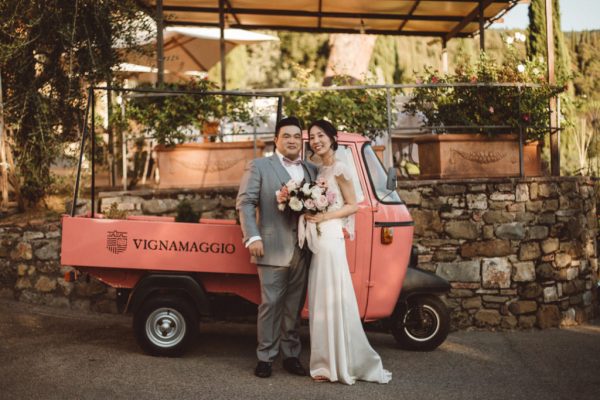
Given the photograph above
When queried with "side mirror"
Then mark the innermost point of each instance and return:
(391, 179)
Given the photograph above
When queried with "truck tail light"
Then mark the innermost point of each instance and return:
(387, 235)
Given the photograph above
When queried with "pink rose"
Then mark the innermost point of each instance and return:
(282, 195)
(322, 203)
(330, 197)
(309, 204)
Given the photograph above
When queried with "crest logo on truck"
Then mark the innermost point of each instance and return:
(116, 242)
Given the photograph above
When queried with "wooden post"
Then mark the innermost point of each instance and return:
(444, 56)
(554, 132)
(3, 162)
(160, 58)
(481, 27)
(222, 44)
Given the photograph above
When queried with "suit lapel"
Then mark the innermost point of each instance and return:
(281, 173)
(307, 174)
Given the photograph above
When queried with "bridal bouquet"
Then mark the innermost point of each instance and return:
(305, 196)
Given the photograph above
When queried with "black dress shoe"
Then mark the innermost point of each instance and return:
(263, 369)
(293, 366)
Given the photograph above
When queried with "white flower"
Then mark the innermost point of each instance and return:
(316, 192)
(306, 189)
(520, 37)
(509, 40)
(292, 185)
(535, 71)
(281, 206)
(296, 204)
(521, 68)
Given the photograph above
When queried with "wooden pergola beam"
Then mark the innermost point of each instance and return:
(468, 19)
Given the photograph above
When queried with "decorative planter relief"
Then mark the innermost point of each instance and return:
(197, 165)
(475, 156)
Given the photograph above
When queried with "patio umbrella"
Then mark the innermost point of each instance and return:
(195, 49)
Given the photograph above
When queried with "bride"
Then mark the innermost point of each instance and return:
(340, 350)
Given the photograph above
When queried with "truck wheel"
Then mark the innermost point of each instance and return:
(422, 324)
(165, 326)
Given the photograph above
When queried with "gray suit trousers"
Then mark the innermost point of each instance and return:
(283, 291)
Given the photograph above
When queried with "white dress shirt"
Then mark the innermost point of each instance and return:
(296, 172)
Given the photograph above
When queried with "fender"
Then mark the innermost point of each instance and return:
(169, 283)
(418, 281)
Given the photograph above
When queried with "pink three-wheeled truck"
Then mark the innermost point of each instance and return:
(167, 272)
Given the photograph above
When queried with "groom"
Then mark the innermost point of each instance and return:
(272, 238)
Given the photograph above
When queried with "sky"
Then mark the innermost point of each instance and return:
(576, 15)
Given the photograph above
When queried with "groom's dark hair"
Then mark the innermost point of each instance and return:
(288, 121)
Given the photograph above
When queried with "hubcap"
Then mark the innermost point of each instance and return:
(165, 327)
(421, 322)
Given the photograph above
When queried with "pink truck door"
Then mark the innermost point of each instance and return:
(358, 250)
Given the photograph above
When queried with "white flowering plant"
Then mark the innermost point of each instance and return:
(481, 105)
(302, 196)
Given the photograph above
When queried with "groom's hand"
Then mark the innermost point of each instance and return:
(256, 248)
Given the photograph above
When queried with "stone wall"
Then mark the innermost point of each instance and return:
(518, 253)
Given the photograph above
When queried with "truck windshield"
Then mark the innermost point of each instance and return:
(378, 177)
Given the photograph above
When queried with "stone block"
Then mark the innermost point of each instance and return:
(522, 192)
(495, 299)
(229, 202)
(49, 251)
(22, 251)
(548, 316)
(459, 293)
(498, 217)
(486, 248)
(22, 283)
(534, 206)
(45, 284)
(477, 201)
(588, 297)
(462, 230)
(497, 196)
(537, 232)
(426, 221)
(524, 271)
(445, 254)
(562, 260)
(477, 188)
(526, 321)
(410, 197)
(523, 307)
(487, 317)
(471, 303)
(32, 235)
(568, 318)
(495, 273)
(511, 231)
(530, 291)
(516, 208)
(547, 218)
(529, 251)
(449, 190)
(550, 245)
(550, 294)
(463, 271)
(159, 206)
(547, 190)
(509, 322)
(488, 232)
(566, 274)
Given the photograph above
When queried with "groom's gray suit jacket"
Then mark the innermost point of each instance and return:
(278, 230)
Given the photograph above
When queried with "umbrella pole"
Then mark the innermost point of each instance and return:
(160, 60)
(222, 43)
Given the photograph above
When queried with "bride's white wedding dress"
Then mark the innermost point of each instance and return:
(340, 350)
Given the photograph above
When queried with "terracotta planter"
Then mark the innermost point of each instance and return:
(196, 165)
(475, 156)
(379, 149)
